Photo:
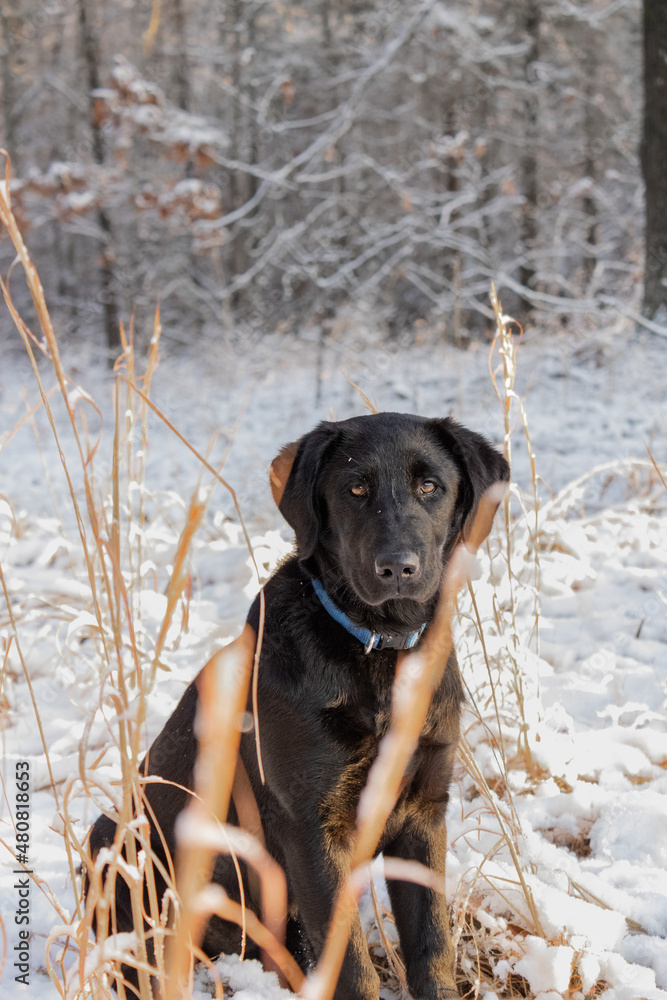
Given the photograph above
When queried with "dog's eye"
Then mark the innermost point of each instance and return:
(359, 490)
(427, 487)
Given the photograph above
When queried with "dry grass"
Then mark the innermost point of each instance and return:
(111, 539)
(111, 522)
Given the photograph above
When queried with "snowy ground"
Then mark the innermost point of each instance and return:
(590, 818)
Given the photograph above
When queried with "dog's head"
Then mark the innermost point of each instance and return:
(378, 502)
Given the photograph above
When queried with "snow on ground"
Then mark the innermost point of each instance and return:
(590, 802)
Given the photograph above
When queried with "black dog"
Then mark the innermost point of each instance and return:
(378, 504)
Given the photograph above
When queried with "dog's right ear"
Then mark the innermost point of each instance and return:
(484, 477)
(294, 477)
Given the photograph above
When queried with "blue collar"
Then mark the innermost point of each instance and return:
(371, 640)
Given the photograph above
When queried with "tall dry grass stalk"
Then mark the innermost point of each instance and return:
(99, 546)
(499, 703)
(417, 677)
(111, 537)
(506, 345)
(223, 688)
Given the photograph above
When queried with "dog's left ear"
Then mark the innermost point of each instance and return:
(294, 477)
(480, 467)
(280, 469)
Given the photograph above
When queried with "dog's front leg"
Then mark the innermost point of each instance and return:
(421, 915)
(316, 871)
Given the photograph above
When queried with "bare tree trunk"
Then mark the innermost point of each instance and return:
(9, 21)
(181, 60)
(236, 178)
(325, 14)
(453, 267)
(654, 156)
(61, 239)
(252, 182)
(91, 56)
(593, 131)
(528, 165)
(238, 191)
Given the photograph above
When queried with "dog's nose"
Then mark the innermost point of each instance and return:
(394, 566)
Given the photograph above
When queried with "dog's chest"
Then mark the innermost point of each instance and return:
(358, 729)
(357, 717)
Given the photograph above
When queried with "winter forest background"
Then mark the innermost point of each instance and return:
(261, 167)
(319, 197)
